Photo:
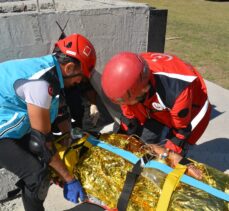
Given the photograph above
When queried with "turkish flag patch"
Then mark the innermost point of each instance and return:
(50, 90)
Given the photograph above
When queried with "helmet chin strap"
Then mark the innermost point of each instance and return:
(142, 98)
(73, 75)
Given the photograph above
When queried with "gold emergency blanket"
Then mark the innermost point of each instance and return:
(103, 174)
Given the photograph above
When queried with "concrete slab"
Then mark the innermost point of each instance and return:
(213, 146)
(8, 6)
(112, 26)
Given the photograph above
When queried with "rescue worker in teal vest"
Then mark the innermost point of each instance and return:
(31, 94)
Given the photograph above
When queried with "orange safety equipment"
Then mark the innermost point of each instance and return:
(124, 77)
(80, 48)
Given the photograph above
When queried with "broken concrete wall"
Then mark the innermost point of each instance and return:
(28, 28)
(110, 27)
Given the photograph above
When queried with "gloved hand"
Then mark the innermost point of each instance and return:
(73, 190)
(94, 114)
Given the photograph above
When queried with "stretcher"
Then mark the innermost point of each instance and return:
(114, 169)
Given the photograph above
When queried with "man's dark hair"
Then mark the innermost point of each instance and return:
(63, 58)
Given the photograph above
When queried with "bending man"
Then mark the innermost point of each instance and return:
(31, 92)
(161, 98)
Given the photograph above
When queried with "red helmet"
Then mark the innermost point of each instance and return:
(77, 46)
(124, 77)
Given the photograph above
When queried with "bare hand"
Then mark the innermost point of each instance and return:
(193, 171)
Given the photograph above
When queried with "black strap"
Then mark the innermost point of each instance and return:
(11, 195)
(131, 178)
(51, 77)
(185, 161)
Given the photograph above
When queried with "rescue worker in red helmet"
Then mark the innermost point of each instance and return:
(29, 106)
(162, 98)
(77, 47)
(80, 48)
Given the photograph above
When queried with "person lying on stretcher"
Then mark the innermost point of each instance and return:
(136, 144)
(174, 158)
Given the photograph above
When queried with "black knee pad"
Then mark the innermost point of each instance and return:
(38, 145)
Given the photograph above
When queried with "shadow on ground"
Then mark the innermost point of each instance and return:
(215, 113)
(89, 206)
(213, 153)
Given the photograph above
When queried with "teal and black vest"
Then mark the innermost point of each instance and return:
(14, 120)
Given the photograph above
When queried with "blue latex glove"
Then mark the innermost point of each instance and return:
(73, 190)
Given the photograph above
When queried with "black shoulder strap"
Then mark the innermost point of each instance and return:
(131, 178)
(52, 78)
(11, 195)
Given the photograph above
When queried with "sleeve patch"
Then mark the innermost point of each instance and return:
(50, 90)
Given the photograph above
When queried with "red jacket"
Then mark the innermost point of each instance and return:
(178, 98)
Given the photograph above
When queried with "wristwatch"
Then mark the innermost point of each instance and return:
(165, 154)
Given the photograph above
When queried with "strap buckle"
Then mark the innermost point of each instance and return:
(146, 158)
